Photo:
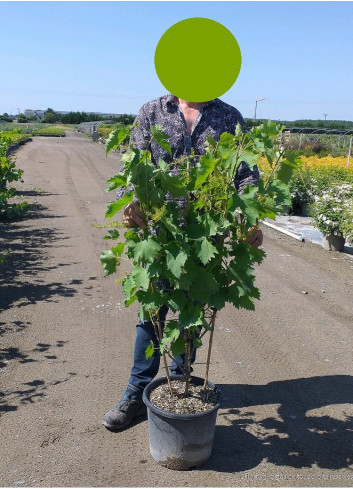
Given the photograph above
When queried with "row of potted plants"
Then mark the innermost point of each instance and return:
(322, 188)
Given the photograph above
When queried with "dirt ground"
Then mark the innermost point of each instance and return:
(66, 341)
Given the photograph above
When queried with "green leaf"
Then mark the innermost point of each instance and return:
(176, 255)
(250, 206)
(218, 299)
(109, 262)
(118, 249)
(117, 181)
(171, 184)
(140, 277)
(205, 250)
(172, 331)
(211, 144)
(288, 167)
(149, 352)
(197, 343)
(129, 286)
(190, 316)
(151, 300)
(115, 138)
(250, 159)
(178, 346)
(177, 300)
(281, 193)
(162, 165)
(112, 234)
(146, 250)
(131, 156)
(171, 226)
(116, 206)
(161, 138)
(205, 166)
(226, 142)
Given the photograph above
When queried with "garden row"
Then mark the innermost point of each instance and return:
(18, 132)
(9, 174)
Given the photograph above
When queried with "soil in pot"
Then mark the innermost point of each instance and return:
(197, 401)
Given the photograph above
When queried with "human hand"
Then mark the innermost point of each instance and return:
(254, 237)
(133, 215)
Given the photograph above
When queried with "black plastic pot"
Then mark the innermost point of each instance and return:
(180, 441)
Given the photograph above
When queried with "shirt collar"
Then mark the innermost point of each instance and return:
(170, 99)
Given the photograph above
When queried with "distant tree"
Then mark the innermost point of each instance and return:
(5, 117)
(125, 118)
(22, 118)
(50, 117)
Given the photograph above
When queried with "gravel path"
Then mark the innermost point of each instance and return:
(285, 370)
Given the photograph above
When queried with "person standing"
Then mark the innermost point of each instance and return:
(188, 124)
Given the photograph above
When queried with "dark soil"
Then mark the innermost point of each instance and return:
(197, 400)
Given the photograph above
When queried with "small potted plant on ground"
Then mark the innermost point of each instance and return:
(329, 212)
(193, 258)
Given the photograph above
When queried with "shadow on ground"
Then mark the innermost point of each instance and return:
(26, 248)
(35, 390)
(294, 423)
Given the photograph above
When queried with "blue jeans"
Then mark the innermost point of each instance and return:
(145, 369)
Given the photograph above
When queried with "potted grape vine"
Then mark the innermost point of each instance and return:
(198, 251)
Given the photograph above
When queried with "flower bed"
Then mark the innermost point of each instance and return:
(324, 186)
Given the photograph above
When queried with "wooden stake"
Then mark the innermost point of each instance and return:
(212, 324)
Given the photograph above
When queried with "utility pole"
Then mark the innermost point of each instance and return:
(325, 116)
(258, 100)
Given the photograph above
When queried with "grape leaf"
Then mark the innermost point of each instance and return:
(178, 346)
(112, 234)
(116, 206)
(161, 138)
(146, 250)
(115, 138)
(205, 250)
(140, 277)
(204, 168)
(172, 331)
(116, 182)
(109, 262)
(149, 352)
(176, 255)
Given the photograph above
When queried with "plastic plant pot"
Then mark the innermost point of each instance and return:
(180, 441)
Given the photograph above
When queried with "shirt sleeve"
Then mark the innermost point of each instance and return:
(141, 133)
(246, 176)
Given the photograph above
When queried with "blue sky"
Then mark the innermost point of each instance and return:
(98, 56)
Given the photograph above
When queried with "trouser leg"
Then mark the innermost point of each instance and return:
(145, 369)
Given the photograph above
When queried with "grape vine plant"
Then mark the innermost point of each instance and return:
(194, 241)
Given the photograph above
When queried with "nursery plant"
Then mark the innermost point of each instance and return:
(192, 255)
(332, 210)
(8, 174)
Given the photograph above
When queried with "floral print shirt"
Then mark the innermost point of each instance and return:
(213, 118)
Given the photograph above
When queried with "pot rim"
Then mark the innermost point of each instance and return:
(167, 414)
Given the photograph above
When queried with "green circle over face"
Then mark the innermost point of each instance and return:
(197, 59)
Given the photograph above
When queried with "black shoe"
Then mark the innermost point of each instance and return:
(121, 416)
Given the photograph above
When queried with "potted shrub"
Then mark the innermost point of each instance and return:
(330, 214)
(197, 250)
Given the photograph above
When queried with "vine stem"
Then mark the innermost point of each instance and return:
(212, 324)
(188, 361)
(160, 337)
